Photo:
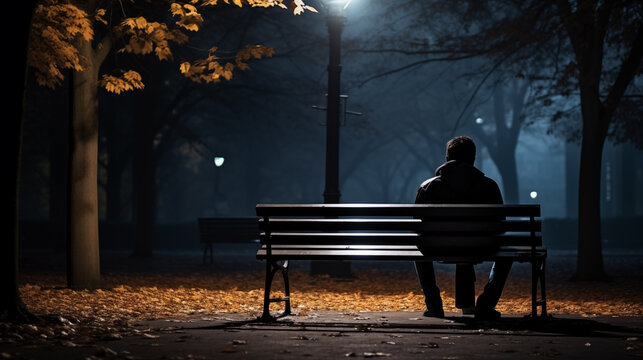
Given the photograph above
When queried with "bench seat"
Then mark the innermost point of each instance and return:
(391, 252)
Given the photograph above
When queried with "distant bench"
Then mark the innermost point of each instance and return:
(448, 233)
(226, 230)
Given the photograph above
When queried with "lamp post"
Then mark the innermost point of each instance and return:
(218, 162)
(335, 23)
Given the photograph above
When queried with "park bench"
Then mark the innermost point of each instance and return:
(226, 230)
(448, 233)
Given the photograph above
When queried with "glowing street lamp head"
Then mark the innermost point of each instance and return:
(479, 121)
(336, 7)
(218, 161)
(533, 194)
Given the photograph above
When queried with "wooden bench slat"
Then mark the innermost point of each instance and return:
(416, 225)
(385, 247)
(401, 239)
(392, 254)
(331, 246)
(448, 210)
(339, 253)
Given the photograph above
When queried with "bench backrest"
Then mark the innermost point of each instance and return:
(431, 225)
(228, 229)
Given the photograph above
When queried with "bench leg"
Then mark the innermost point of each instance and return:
(543, 295)
(538, 274)
(206, 248)
(284, 273)
(266, 292)
(271, 269)
(534, 288)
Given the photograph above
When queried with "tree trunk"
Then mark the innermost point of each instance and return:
(506, 162)
(502, 144)
(572, 156)
(59, 169)
(144, 170)
(83, 250)
(11, 306)
(590, 253)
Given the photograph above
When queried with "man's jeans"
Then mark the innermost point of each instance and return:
(465, 277)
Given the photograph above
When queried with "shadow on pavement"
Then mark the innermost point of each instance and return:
(524, 326)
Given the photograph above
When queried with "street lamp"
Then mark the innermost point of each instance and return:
(218, 162)
(335, 22)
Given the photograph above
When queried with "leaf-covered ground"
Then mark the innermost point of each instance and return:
(129, 296)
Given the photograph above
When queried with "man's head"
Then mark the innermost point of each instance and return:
(461, 148)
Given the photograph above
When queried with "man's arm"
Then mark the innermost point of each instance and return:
(496, 198)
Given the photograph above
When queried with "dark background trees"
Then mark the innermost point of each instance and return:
(585, 54)
(156, 147)
(11, 306)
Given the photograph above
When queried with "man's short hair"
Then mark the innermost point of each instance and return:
(461, 148)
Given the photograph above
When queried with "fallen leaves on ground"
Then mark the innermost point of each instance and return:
(127, 298)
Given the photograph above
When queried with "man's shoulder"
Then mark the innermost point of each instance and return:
(428, 182)
(430, 191)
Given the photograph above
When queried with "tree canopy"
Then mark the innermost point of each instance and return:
(58, 23)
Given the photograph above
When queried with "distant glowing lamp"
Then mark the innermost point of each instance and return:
(479, 121)
(533, 194)
(218, 161)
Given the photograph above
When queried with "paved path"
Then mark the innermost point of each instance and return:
(337, 335)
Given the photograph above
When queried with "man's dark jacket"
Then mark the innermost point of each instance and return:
(458, 182)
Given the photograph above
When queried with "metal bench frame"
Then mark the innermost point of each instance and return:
(450, 233)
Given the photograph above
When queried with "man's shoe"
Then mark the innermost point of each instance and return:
(487, 315)
(437, 313)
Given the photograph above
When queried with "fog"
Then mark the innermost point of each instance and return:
(264, 125)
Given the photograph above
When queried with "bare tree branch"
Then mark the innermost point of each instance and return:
(414, 64)
(418, 52)
(475, 92)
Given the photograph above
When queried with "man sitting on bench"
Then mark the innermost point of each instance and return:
(457, 181)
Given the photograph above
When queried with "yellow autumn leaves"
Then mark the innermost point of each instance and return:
(58, 27)
(211, 69)
(130, 80)
(189, 18)
(52, 50)
(154, 296)
(144, 37)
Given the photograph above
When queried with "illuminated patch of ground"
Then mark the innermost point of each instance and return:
(129, 297)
